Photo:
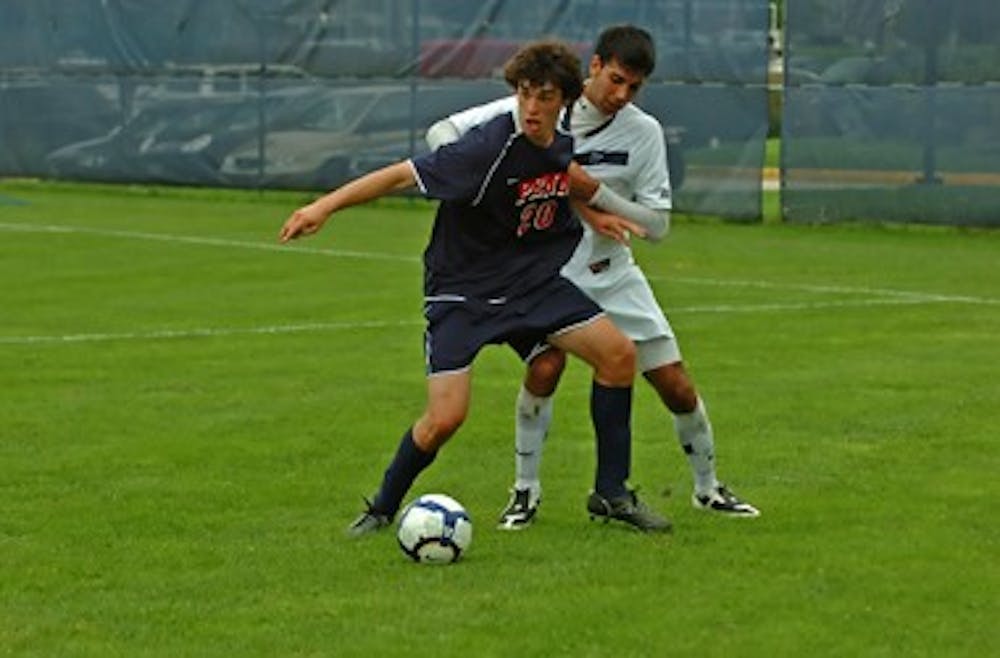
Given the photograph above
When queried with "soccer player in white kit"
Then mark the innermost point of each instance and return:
(623, 147)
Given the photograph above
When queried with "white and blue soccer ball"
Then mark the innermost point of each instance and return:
(434, 529)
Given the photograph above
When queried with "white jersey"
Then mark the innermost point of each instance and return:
(627, 153)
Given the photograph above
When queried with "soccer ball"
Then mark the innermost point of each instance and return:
(434, 529)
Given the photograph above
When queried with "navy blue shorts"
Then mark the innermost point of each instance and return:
(458, 327)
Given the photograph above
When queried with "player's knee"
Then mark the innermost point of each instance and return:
(627, 359)
(448, 423)
(544, 372)
(438, 425)
(683, 398)
(675, 387)
(618, 365)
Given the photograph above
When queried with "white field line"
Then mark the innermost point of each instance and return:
(880, 296)
(210, 242)
(160, 334)
(916, 297)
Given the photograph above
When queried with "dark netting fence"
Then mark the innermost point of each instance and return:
(306, 93)
(892, 111)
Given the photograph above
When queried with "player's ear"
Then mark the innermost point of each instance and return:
(596, 64)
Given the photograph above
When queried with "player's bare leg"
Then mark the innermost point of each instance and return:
(447, 406)
(606, 349)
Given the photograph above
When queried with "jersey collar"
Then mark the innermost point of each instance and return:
(587, 119)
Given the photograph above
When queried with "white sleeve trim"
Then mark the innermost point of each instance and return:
(416, 177)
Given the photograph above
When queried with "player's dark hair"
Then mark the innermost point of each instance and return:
(632, 46)
(546, 61)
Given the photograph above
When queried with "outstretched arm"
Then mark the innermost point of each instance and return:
(310, 218)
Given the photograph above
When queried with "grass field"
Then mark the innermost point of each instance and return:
(190, 414)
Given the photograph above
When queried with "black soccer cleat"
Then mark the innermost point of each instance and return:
(521, 509)
(725, 502)
(370, 521)
(627, 509)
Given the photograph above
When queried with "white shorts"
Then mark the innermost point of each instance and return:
(624, 293)
(651, 354)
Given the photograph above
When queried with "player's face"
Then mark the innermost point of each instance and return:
(611, 86)
(539, 107)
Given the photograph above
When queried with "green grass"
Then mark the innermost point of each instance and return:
(190, 415)
(772, 152)
(932, 204)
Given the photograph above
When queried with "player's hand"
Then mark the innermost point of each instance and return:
(304, 221)
(609, 225)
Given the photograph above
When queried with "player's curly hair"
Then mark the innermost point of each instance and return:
(546, 61)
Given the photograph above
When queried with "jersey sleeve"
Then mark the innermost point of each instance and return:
(457, 171)
(652, 185)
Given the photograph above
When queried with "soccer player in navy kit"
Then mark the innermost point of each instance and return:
(501, 233)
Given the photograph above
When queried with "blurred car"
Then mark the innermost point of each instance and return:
(344, 133)
(173, 140)
(39, 117)
(299, 136)
(865, 70)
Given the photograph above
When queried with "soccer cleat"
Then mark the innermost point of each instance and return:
(370, 521)
(724, 501)
(627, 509)
(520, 510)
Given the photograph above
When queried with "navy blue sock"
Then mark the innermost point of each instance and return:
(611, 413)
(403, 470)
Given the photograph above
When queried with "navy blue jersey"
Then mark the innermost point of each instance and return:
(504, 225)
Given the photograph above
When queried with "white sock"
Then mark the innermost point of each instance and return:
(694, 432)
(532, 419)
